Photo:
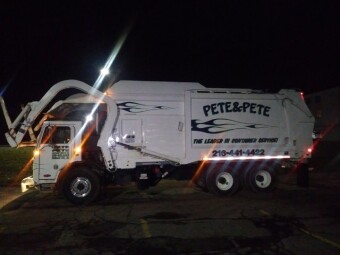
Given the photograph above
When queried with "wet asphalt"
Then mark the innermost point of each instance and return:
(176, 218)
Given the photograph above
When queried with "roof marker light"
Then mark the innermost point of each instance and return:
(302, 96)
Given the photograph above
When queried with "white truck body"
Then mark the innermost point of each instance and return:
(155, 124)
(187, 122)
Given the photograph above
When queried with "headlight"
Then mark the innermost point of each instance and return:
(77, 150)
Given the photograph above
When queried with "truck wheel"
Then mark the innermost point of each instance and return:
(222, 182)
(261, 179)
(81, 186)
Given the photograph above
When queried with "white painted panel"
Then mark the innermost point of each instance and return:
(132, 132)
(165, 135)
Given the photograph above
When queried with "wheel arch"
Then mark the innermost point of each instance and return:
(77, 165)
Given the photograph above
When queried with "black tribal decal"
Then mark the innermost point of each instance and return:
(137, 108)
(217, 126)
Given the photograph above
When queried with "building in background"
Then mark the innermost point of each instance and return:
(325, 106)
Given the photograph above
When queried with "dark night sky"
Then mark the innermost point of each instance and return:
(236, 44)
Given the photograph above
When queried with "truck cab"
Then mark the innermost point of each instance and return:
(58, 144)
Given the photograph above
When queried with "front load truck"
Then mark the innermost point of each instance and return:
(141, 131)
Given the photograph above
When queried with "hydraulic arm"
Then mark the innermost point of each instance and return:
(29, 114)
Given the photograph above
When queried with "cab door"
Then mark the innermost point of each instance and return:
(55, 151)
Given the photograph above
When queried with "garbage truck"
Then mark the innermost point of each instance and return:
(142, 131)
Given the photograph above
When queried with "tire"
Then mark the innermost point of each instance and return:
(222, 182)
(261, 179)
(81, 186)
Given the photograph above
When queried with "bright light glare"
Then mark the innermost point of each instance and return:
(111, 58)
(77, 150)
(89, 118)
(36, 153)
(105, 71)
(100, 79)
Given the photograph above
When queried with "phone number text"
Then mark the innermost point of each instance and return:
(250, 152)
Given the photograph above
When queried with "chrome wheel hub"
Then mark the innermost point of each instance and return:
(80, 187)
